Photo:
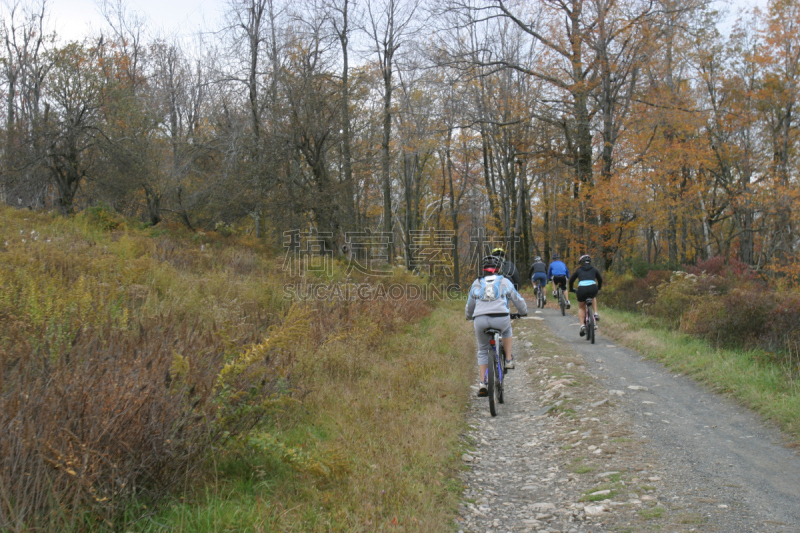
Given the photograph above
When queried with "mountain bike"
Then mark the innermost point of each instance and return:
(497, 368)
(589, 321)
(562, 301)
(541, 294)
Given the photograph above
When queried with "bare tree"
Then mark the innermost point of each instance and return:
(390, 24)
(25, 68)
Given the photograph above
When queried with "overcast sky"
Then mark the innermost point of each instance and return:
(72, 19)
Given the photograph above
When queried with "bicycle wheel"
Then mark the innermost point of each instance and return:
(501, 369)
(491, 379)
(561, 302)
(590, 327)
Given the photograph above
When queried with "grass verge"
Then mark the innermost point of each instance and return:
(392, 417)
(747, 375)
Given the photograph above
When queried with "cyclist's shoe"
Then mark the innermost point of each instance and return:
(483, 389)
(567, 304)
(596, 317)
(510, 363)
(555, 294)
(536, 291)
(583, 331)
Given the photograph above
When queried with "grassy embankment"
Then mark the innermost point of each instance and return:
(152, 378)
(393, 414)
(750, 376)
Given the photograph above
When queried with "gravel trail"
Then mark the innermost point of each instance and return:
(594, 438)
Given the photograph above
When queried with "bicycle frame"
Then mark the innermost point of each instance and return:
(561, 299)
(495, 373)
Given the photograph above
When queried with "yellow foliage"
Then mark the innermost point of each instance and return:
(179, 367)
(295, 325)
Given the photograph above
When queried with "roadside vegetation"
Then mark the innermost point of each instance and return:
(158, 377)
(719, 322)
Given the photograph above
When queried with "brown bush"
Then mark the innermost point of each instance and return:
(739, 318)
(121, 414)
(106, 420)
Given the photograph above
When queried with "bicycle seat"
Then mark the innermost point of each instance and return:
(588, 301)
(491, 331)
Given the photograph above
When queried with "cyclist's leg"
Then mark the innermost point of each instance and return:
(563, 283)
(540, 279)
(481, 323)
(507, 336)
(581, 295)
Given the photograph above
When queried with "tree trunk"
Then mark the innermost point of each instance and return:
(453, 214)
(385, 159)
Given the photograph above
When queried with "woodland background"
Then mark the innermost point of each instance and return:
(633, 130)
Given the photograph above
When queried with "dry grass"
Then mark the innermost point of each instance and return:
(387, 406)
(131, 361)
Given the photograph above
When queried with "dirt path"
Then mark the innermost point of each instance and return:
(594, 438)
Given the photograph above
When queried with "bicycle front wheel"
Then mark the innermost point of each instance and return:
(491, 381)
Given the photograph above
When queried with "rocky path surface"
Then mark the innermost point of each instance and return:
(594, 438)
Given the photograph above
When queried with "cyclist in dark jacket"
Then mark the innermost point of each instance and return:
(509, 269)
(538, 274)
(589, 283)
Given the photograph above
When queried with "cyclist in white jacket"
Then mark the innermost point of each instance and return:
(488, 306)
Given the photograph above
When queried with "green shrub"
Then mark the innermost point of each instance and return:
(629, 293)
(103, 217)
(676, 296)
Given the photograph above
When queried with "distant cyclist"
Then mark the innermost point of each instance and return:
(487, 305)
(589, 283)
(509, 269)
(538, 275)
(558, 273)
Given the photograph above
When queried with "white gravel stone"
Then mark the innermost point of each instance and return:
(543, 506)
(595, 510)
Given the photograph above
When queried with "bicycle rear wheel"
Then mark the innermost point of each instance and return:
(590, 327)
(501, 369)
(491, 380)
(561, 302)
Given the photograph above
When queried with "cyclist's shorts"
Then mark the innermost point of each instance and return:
(503, 323)
(560, 280)
(539, 277)
(587, 291)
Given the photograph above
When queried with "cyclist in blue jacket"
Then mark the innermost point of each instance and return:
(558, 273)
(487, 305)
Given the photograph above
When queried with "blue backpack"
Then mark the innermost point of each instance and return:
(491, 291)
